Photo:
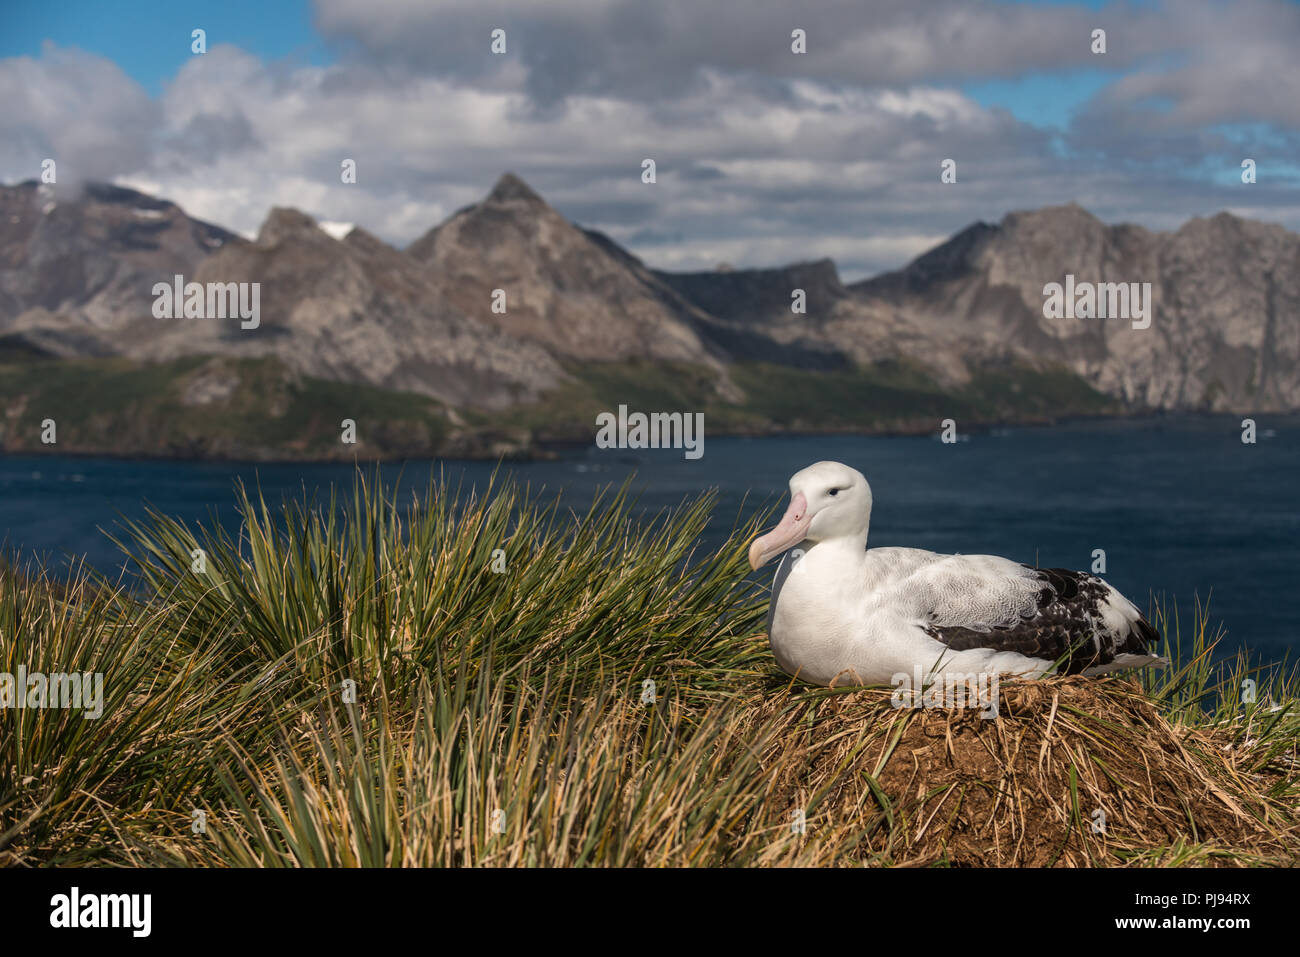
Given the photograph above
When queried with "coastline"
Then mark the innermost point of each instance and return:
(489, 446)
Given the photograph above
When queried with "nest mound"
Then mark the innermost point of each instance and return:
(1072, 771)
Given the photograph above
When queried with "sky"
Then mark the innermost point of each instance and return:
(763, 156)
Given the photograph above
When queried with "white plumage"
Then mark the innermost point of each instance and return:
(845, 614)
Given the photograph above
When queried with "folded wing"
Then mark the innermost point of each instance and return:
(1052, 614)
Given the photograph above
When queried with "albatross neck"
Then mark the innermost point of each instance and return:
(851, 547)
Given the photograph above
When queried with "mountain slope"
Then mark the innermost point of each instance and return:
(564, 290)
(1225, 325)
(75, 270)
(751, 314)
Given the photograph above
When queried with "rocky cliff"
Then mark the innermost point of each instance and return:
(1224, 331)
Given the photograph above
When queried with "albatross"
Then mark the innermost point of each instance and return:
(845, 614)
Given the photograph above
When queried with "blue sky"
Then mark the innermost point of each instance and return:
(150, 39)
(764, 156)
(1044, 99)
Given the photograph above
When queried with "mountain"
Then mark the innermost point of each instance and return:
(579, 298)
(358, 310)
(408, 345)
(78, 280)
(1224, 330)
(74, 273)
(751, 316)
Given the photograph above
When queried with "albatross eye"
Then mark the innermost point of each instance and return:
(835, 491)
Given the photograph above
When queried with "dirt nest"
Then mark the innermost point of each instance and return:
(1071, 772)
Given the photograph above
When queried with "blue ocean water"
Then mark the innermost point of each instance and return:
(1182, 508)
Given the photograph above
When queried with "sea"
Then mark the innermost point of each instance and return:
(1185, 512)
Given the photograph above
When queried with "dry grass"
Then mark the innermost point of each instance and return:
(947, 786)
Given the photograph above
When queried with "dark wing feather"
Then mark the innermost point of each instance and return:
(1061, 627)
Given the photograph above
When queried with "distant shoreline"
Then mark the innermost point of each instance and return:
(554, 449)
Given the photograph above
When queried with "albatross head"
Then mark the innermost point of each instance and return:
(828, 500)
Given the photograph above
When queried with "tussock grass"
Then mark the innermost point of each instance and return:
(500, 647)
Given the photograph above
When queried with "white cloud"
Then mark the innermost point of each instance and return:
(762, 159)
(79, 110)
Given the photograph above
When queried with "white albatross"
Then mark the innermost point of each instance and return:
(844, 614)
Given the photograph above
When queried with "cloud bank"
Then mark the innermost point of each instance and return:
(763, 156)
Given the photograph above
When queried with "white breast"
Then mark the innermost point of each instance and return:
(840, 614)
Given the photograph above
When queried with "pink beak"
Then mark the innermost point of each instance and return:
(790, 531)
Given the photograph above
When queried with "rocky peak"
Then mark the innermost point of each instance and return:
(817, 273)
(366, 241)
(565, 290)
(61, 246)
(1067, 216)
(948, 261)
(1224, 231)
(285, 223)
(510, 188)
(110, 194)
